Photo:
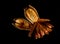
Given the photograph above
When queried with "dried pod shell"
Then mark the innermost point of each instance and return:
(31, 14)
(21, 24)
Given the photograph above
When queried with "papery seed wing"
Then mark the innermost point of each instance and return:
(31, 14)
(21, 24)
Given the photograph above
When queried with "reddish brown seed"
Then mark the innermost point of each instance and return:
(42, 33)
(38, 35)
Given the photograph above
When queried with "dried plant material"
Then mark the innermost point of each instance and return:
(34, 23)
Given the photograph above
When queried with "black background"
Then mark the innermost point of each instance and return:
(14, 9)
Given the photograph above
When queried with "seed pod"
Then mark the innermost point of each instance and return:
(31, 14)
(21, 24)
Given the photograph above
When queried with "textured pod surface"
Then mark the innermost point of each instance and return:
(31, 14)
(21, 24)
